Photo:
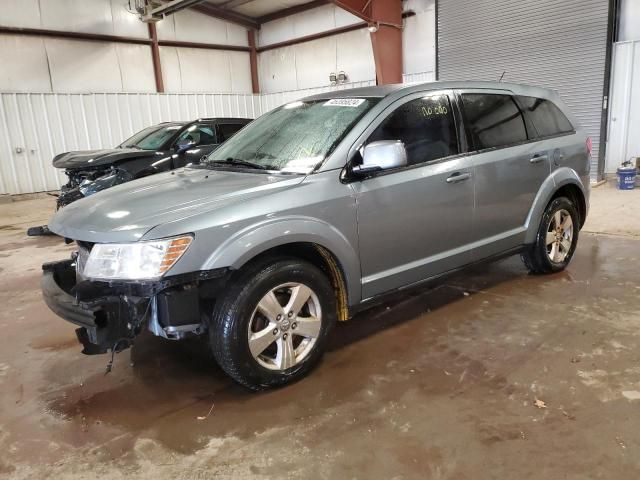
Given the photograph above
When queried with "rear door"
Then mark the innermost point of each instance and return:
(555, 132)
(414, 222)
(509, 169)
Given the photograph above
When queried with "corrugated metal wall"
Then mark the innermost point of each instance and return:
(559, 44)
(624, 110)
(34, 127)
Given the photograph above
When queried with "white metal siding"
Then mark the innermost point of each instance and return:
(308, 65)
(558, 44)
(624, 110)
(34, 127)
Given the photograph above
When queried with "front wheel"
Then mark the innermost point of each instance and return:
(273, 322)
(556, 239)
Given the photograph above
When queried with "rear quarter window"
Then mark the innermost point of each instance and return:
(547, 118)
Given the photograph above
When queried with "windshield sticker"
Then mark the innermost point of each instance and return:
(344, 102)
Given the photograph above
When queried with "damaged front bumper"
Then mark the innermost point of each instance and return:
(84, 183)
(111, 314)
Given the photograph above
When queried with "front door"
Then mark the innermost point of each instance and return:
(415, 222)
(203, 136)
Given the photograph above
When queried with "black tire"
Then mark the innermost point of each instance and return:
(229, 326)
(535, 256)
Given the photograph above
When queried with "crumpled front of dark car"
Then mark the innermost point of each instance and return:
(87, 181)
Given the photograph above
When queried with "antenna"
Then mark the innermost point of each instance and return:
(502, 76)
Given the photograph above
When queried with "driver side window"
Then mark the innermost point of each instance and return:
(426, 127)
(199, 134)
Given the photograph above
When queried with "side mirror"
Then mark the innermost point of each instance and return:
(381, 155)
(183, 146)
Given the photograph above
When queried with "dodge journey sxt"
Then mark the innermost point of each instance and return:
(318, 209)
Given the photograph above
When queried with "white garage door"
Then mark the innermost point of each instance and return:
(558, 44)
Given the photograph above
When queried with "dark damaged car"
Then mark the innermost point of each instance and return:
(155, 149)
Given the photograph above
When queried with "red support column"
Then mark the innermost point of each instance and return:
(253, 59)
(387, 40)
(385, 16)
(155, 55)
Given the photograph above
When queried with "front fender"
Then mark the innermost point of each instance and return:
(251, 241)
(559, 178)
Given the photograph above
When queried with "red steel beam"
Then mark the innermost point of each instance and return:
(313, 36)
(385, 19)
(326, 33)
(228, 15)
(286, 12)
(95, 37)
(155, 56)
(118, 39)
(253, 61)
(359, 8)
(205, 46)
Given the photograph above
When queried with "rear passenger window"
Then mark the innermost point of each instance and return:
(493, 120)
(425, 126)
(227, 130)
(547, 119)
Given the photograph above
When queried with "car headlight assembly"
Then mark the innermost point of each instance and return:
(147, 260)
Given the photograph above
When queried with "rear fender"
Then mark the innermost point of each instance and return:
(559, 178)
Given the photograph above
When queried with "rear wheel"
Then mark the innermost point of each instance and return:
(556, 239)
(272, 325)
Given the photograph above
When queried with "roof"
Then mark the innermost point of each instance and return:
(256, 8)
(224, 119)
(386, 90)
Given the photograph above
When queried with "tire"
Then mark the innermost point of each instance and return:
(247, 314)
(540, 257)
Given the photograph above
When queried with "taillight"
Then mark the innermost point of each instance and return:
(589, 144)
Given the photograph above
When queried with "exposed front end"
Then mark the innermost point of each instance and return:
(111, 313)
(87, 181)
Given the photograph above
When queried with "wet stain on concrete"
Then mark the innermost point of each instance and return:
(434, 383)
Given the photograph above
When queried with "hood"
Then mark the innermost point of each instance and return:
(126, 212)
(97, 158)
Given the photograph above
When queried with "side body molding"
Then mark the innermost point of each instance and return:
(558, 178)
(245, 244)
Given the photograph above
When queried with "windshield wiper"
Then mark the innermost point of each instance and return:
(239, 162)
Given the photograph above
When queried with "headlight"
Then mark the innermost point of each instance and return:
(134, 261)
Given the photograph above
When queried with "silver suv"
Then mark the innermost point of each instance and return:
(316, 210)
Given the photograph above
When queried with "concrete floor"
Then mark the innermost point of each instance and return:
(495, 374)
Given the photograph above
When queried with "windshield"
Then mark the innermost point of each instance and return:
(151, 138)
(294, 138)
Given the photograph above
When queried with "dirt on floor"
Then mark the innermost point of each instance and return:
(494, 374)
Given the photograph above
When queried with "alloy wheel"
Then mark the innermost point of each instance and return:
(285, 326)
(559, 236)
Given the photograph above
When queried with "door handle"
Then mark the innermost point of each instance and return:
(459, 177)
(538, 158)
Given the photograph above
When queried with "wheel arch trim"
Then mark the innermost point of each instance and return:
(254, 240)
(554, 182)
